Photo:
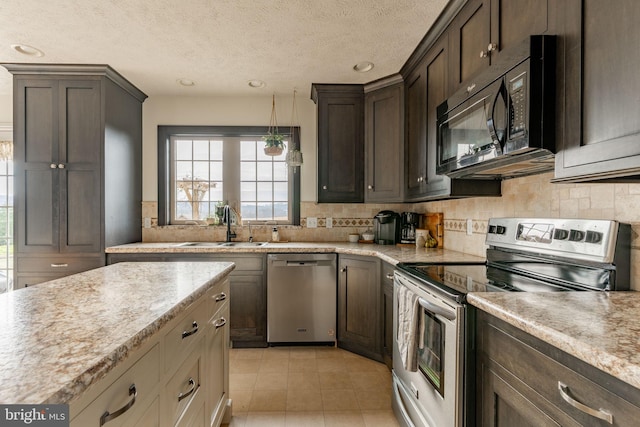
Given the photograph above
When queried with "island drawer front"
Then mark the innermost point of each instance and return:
(145, 374)
(542, 374)
(185, 385)
(194, 416)
(218, 296)
(58, 264)
(183, 337)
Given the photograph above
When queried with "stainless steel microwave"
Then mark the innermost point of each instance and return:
(503, 124)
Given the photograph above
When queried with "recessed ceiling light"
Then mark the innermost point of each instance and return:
(186, 82)
(257, 84)
(363, 67)
(27, 50)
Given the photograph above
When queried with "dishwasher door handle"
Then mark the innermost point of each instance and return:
(302, 263)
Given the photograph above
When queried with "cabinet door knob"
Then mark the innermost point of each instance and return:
(343, 270)
(370, 187)
(324, 187)
(53, 166)
(390, 276)
(61, 166)
(484, 54)
(471, 87)
(492, 47)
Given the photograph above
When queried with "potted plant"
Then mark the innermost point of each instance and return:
(273, 144)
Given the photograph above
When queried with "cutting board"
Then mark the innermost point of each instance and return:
(434, 222)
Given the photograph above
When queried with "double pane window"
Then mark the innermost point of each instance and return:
(207, 171)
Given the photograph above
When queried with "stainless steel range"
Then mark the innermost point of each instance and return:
(433, 360)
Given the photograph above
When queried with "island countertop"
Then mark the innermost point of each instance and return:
(599, 328)
(59, 337)
(392, 254)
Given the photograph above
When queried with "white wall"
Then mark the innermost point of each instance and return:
(6, 109)
(226, 111)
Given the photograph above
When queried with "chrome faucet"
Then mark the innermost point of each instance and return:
(250, 234)
(227, 218)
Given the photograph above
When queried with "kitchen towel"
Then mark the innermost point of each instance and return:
(407, 333)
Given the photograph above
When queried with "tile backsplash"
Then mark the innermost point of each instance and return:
(532, 196)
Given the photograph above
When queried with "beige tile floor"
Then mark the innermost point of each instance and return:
(308, 387)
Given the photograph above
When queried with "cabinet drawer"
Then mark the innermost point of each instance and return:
(217, 297)
(185, 385)
(543, 374)
(194, 417)
(57, 265)
(180, 340)
(243, 262)
(141, 378)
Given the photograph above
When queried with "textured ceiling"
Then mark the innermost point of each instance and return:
(220, 44)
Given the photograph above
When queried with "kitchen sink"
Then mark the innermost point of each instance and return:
(244, 244)
(199, 244)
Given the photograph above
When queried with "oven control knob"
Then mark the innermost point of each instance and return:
(500, 229)
(593, 237)
(576, 236)
(560, 234)
(492, 229)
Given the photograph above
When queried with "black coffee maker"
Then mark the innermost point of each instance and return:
(409, 222)
(387, 228)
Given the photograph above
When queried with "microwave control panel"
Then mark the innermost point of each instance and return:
(517, 109)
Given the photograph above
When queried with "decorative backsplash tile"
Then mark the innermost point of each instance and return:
(532, 196)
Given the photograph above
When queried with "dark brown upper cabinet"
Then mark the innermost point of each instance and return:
(427, 86)
(340, 142)
(384, 140)
(599, 130)
(77, 159)
(483, 28)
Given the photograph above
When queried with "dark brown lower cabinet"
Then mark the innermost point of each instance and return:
(523, 381)
(359, 320)
(248, 316)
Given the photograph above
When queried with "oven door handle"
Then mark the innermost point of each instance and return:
(432, 308)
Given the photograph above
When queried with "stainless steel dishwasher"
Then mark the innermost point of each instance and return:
(301, 298)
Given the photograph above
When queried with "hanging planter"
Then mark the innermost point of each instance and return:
(273, 140)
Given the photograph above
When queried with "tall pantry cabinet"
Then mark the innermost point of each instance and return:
(77, 165)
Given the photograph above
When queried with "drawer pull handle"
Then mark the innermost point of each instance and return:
(107, 416)
(220, 323)
(61, 265)
(192, 331)
(221, 297)
(192, 383)
(598, 413)
(390, 276)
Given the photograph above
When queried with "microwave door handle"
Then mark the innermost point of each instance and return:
(491, 122)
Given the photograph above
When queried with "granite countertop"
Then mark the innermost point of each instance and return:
(599, 328)
(59, 337)
(392, 254)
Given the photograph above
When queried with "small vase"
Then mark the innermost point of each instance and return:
(272, 151)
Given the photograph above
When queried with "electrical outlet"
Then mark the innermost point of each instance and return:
(147, 222)
(329, 222)
(312, 222)
(469, 227)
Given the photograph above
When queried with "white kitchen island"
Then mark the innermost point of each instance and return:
(86, 339)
